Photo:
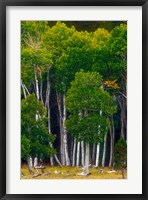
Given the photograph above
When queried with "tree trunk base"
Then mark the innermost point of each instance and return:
(84, 174)
(123, 175)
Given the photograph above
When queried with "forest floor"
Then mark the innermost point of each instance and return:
(58, 172)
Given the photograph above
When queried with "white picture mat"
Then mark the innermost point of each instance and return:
(131, 185)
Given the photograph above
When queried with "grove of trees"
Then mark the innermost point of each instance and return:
(73, 97)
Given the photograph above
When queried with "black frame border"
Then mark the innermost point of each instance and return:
(3, 6)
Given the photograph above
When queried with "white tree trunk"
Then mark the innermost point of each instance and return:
(74, 153)
(30, 165)
(47, 91)
(56, 158)
(111, 160)
(26, 89)
(24, 92)
(78, 154)
(97, 154)
(98, 145)
(111, 154)
(36, 83)
(104, 150)
(65, 133)
(87, 159)
(62, 149)
(47, 104)
(41, 89)
(30, 162)
(62, 152)
(37, 89)
(82, 153)
(66, 149)
(35, 162)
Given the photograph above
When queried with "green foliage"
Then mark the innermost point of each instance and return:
(71, 51)
(35, 137)
(86, 128)
(86, 93)
(121, 154)
(31, 31)
(85, 99)
(100, 37)
(25, 147)
(112, 57)
(33, 50)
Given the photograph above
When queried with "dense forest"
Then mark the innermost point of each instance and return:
(73, 95)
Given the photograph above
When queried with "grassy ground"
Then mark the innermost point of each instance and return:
(57, 172)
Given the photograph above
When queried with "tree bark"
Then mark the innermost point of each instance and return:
(112, 133)
(35, 162)
(24, 89)
(97, 154)
(104, 150)
(36, 82)
(74, 153)
(47, 104)
(65, 133)
(24, 92)
(78, 154)
(123, 176)
(41, 88)
(30, 165)
(98, 145)
(57, 160)
(59, 103)
(122, 117)
(93, 153)
(82, 153)
(87, 159)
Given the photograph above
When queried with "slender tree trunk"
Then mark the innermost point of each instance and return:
(30, 165)
(74, 153)
(41, 88)
(98, 145)
(78, 154)
(104, 150)
(24, 92)
(65, 133)
(62, 152)
(71, 143)
(26, 89)
(111, 149)
(112, 133)
(35, 162)
(47, 104)
(87, 159)
(57, 160)
(122, 117)
(93, 153)
(82, 153)
(123, 175)
(97, 154)
(36, 82)
(122, 124)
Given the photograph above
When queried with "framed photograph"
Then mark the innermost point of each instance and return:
(73, 79)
